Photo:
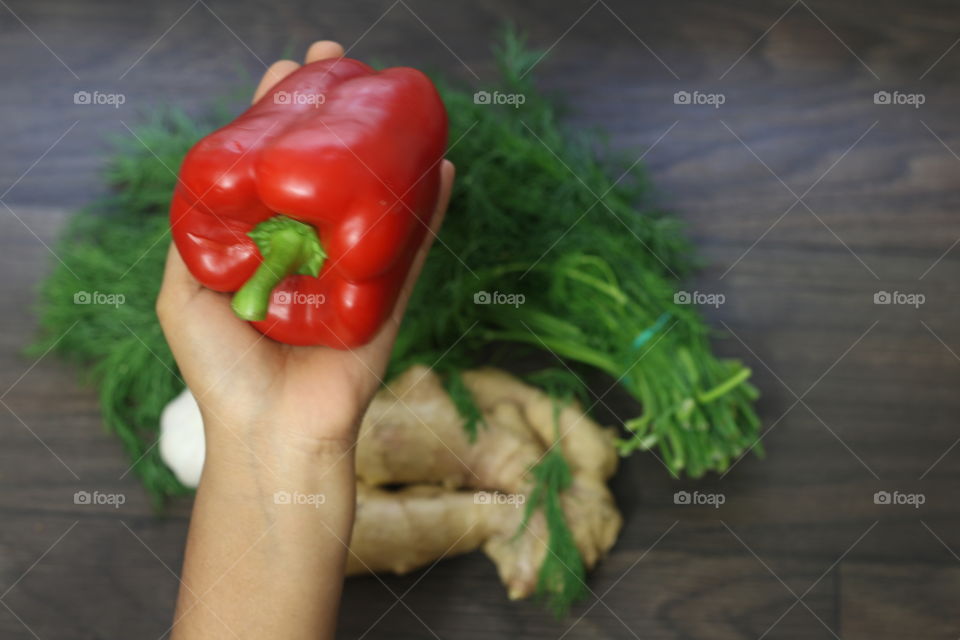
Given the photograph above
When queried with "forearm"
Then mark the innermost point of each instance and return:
(268, 540)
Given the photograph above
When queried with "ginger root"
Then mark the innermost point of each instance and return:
(413, 435)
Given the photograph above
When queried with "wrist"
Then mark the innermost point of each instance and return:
(270, 450)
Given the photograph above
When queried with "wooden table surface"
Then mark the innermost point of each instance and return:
(805, 196)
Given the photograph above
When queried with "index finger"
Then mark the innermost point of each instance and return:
(274, 74)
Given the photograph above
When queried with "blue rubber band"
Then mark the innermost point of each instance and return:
(645, 335)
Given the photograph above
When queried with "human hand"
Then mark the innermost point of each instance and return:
(256, 391)
(278, 419)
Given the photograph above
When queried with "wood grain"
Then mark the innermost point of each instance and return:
(879, 209)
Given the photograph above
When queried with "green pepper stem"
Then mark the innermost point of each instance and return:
(286, 256)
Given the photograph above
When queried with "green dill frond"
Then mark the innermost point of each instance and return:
(561, 580)
(464, 402)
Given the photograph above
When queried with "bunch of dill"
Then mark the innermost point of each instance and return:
(541, 223)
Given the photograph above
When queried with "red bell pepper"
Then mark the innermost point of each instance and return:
(312, 203)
